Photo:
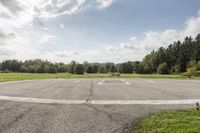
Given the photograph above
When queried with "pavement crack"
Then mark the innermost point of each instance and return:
(89, 99)
(123, 128)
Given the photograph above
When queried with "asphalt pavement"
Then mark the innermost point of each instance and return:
(89, 105)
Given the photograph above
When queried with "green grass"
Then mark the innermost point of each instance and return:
(28, 76)
(178, 121)
(157, 76)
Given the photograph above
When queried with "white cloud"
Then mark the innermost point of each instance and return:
(6, 35)
(25, 11)
(152, 40)
(18, 48)
(192, 26)
(133, 38)
(47, 38)
(55, 8)
(24, 34)
(62, 26)
(104, 3)
(5, 52)
(18, 9)
(127, 46)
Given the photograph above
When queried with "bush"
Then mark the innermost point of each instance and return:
(163, 68)
(187, 74)
(194, 69)
(194, 73)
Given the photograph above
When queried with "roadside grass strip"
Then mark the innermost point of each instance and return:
(175, 121)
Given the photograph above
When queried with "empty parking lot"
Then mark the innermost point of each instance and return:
(88, 105)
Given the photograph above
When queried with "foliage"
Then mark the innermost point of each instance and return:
(72, 67)
(126, 67)
(177, 56)
(79, 69)
(193, 69)
(163, 68)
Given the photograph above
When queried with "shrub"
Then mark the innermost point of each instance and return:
(194, 69)
(163, 68)
(187, 74)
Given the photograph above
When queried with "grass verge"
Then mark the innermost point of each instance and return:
(28, 76)
(177, 121)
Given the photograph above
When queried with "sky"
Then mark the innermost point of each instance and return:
(93, 30)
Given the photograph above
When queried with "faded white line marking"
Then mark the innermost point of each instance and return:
(127, 83)
(19, 81)
(37, 100)
(145, 102)
(32, 80)
(101, 102)
(101, 82)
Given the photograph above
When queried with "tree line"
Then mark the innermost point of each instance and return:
(178, 57)
(41, 66)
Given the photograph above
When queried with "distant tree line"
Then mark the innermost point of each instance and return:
(178, 57)
(41, 66)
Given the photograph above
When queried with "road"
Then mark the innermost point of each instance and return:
(88, 105)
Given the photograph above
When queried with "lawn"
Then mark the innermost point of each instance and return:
(177, 121)
(28, 76)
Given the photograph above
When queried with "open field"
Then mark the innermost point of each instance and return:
(178, 121)
(28, 76)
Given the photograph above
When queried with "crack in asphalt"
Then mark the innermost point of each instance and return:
(89, 99)
(108, 115)
(123, 128)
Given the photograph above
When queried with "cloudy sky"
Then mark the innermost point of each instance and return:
(93, 30)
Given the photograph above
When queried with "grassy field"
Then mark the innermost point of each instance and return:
(27, 76)
(180, 121)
